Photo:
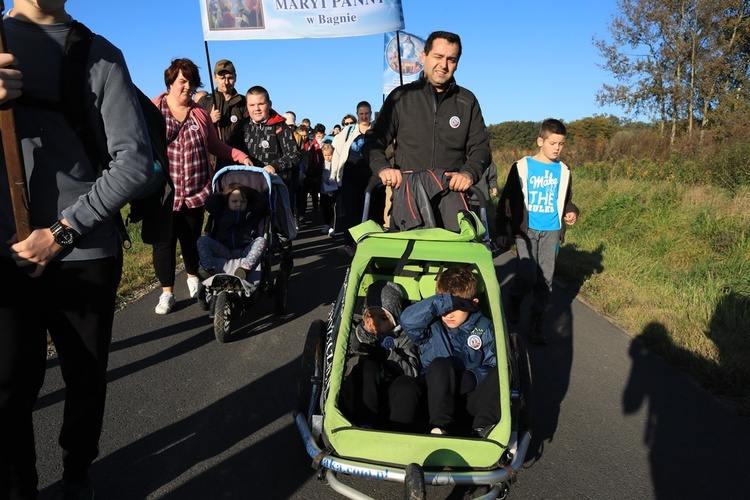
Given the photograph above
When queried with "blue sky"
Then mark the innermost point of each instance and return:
(524, 60)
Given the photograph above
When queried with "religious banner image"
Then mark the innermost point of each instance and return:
(283, 19)
(410, 62)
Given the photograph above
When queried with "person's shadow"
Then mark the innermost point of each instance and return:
(551, 364)
(697, 444)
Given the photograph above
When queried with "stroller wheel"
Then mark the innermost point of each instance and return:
(222, 317)
(414, 483)
(202, 298)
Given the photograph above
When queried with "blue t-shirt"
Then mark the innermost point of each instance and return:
(543, 183)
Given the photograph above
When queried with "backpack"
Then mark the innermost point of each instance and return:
(153, 206)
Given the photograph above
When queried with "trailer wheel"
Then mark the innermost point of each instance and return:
(311, 373)
(525, 384)
(414, 487)
(222, 317)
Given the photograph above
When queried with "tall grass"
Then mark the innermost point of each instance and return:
(663, 253)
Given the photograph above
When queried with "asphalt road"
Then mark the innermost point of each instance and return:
(189, 418)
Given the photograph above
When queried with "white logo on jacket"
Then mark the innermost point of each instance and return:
(454, 122)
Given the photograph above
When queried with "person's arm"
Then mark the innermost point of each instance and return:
(381, 135)
(416, 319)
(478, 152)
(571, 210)
(404, 356)
(292, 156)
(214, 144)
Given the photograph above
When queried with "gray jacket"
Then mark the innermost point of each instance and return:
(62, 182)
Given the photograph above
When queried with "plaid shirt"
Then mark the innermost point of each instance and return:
(189, 165)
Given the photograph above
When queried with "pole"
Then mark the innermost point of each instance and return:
(398, 51)
(210, 71)
(19, 192)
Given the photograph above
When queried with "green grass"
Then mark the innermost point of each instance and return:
(670, 264)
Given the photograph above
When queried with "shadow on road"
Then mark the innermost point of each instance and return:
(221, 442)
(697, 444)
(551, 364)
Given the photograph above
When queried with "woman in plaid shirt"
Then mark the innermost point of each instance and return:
(191, 138)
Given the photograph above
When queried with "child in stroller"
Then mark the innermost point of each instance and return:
(246, 211)
(235, 234)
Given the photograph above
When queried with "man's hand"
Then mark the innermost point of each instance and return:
(38, 250)
(391, 177)
(215, 114)
(10, 79)
(270, 169)
(459, 181)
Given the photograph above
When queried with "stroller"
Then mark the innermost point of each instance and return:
(227, 296)
(413, 259)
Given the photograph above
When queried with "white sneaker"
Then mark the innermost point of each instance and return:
(192, 283)
(166, 302)
(326, 229)
(331, 232)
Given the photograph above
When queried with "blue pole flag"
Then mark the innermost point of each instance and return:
(402, 66)
(279, 19)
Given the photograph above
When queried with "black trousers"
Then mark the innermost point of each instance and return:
(368, 400)
(352, 197)
(448, 408)
(75, 303)
(187, 225)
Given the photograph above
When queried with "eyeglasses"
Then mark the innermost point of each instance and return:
(349, 123)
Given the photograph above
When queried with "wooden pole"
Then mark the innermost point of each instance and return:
(19, 193)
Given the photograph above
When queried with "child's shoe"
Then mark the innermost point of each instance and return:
(438, 431)
(241, 273)
(326, 228)
(204, 274)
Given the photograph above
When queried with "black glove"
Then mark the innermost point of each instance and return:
(468, 382)
(462, 304)
(374, 351)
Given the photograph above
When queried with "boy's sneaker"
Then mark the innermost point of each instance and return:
(331, 232)
(166, 303)
(78, 491)
(192, 283)
(326, 229)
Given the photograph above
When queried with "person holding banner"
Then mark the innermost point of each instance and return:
(435, 123)
(62, 279)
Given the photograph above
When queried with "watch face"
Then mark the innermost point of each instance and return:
(63, 235)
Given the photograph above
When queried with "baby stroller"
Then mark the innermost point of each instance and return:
(227, 296)
(413, 259)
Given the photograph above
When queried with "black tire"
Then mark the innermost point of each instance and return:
(311, 373)
(222, 317)
(280, 293)
(414, 488)
(525, 385)
(202, 302)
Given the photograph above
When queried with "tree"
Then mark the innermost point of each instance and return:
(677, 61)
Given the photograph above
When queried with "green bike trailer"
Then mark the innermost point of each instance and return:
(413, 259)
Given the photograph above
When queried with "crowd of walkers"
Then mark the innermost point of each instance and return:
(431, 127)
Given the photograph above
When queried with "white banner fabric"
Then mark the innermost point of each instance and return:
(279, 19)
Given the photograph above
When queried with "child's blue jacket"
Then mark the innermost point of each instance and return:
(422, 323)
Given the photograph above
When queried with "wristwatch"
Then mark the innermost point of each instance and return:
(64, 236)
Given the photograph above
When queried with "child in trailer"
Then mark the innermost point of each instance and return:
(379, 389)
(235, 233)
(456, 345)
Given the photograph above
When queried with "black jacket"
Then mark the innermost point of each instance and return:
(432, 130)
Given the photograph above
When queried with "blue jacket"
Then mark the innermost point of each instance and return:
(422, 323)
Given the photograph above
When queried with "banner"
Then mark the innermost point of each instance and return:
(411, 60)
(276, 19)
